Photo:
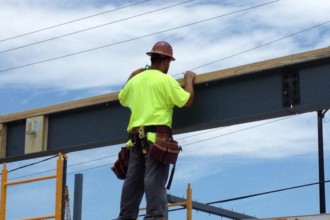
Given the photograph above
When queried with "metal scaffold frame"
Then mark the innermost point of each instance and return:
(187, 203)
(190, 205)
(60, 183)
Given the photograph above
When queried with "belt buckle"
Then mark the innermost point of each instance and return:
(141, 132)
(142, 136)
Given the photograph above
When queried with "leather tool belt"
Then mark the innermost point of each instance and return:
(165, 150)
(120, 167)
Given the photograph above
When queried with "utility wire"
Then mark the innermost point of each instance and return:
(257, 47)
(258, 194)
(95, 27)
(244, 129)
(31, 164)
(92, 168)
(132, 39)
(268, 192)
(200, 133)
(76, 164)
(72, 21)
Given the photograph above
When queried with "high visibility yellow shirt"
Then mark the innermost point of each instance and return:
(151, 97)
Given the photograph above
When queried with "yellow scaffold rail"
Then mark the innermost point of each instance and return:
(58, 195)
(187, 203)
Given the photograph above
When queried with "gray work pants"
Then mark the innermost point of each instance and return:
(148, 176)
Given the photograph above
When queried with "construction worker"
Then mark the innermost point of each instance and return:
(151, 95)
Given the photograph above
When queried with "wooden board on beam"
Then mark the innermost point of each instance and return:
(200, 79)
(36, 134)
(3, 140)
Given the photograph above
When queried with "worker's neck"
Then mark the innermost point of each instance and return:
(158, 67)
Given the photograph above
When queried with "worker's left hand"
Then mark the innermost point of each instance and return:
(134, 73)
(137, 71)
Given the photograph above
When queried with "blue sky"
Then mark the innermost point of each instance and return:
(229, 162)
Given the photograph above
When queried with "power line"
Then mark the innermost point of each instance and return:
(268, 192)
(72, 21)
(258, 194)
(257, 47)
(31, 164)
(200, 133)
(132, 39)
(76, 164)
(92, 168)
(95, 27)
(244, 129)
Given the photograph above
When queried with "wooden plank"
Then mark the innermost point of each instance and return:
(265, 65)
(3, 140)
(202, 78)
(36, 134)
(59, 108)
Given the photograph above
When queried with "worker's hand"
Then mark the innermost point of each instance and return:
(137, 71)
(134, 73)
(189, 78)
(190, 75)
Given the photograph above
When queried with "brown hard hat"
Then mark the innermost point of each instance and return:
(162, 47)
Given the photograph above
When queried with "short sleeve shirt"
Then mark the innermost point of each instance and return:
(151, 97)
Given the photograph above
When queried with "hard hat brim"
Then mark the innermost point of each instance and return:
(157, 52)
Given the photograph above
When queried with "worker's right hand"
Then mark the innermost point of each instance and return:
(190, 75)
(189, 78)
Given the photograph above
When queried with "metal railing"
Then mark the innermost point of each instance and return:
(187, 204)
(59, 176)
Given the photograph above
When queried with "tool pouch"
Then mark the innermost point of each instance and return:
(121, 165)
(164, 150)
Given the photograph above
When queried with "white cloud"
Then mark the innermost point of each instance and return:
(275, 138)
(218, 149)
(193, 45)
